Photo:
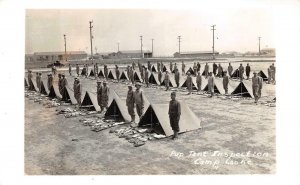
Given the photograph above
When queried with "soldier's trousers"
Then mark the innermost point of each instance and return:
(78, 99)
(225, 88)
(174, 122)
(130, 109)
(139, 109)
(199, 86)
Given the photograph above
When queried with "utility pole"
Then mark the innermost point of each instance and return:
(91, 38)
(152, 46)
(65, 47)
(179, 40)
(213, 47)
(259, 45)
(142, 56)
(118, 46)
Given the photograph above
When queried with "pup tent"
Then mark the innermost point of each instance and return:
(243, 90)
(191, 71)
(35, 88)
(68, 96)
(153, 69)
(124, 76)
(90, 101)
(112, 75)
(101, 74)
(137, 77)
(235, 74)
(172, 82)
(164, 68)
(44, 90)
(153, 79)
(54, 92)
(194, 84)
(156, 117)
(92, 73)
(263, 75)
(83, 72)
(219, 89)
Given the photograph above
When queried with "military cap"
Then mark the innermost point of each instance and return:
(254, 72)
(173, 93)
(105, 82)
(99, 82)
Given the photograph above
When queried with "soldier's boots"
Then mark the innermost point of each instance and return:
(175, 136)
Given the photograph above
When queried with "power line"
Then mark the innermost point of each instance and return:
(91, 38)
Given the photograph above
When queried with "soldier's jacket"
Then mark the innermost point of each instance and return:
(198, 79)
(38, 81)
(64, 82)
(105, 71)
(248, 69)
(118, 73)
(206, 68)
(59, 83)
(241, 69)
(167, 77)
(225, 80)
(29, 76)
(171, 66)
(158, 66)
(130, 98)
(189, 81)
(255, 81)
(177, 76)
(211, 81)
(174, 108)
(230, 69)
(220, 69)
(70, 68)
(77, 90)
(99, 90)
(183, 67)
(195, 67)
(159, 76)
(105, 94)
(149, 66)
(146, 75)
(138, 97)
(50, 81)
(198, 66)
(77, 69)
(260, 82)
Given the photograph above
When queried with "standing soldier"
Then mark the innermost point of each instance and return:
(159, 76)
(215, 67)
(273, 71)
(142, 71)
(195, 68)
(139, 65)
(50, 80)
(117, 73)
(198, 67)
(83, 70)
(70, 69)
(199, 81)
(31, 88)
(99, 93)
(269, 75)
(211, 84)
(105, 71)
(174, 114)
(230, 69)
(171, 66)
(96, 70)
(161, 66)
(206, 69)
(149, 65)
(130, 103)
(54, 70)
(104, 96)
(133, 65)
(139, 100)
(128, 72)
(241, 71)
(183, 68)
(147, 77)
(77, 91)
(64, 84)
(38, 80)
(158, 66)
(175, 67)
(77, 69)
(131, 74)
(256, 86)
(87, 70)
(59, 83)
(225, 82)
(189, 82)
(167, 80)
(177, 77)
(220, 71)
(248, 69)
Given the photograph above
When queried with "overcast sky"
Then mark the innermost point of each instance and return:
(237, 29)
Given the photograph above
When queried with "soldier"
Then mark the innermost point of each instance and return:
(256, 86)
(104, 96)
(174, 114)
(225, 82)
(215, 67)
(117, 73)
(29, 76)
(248, 69)
(87, 70)
(139, 100)
(149, 65)
(195, 68)
(70, 69)
(241, 72)
(99, 93)
(273, 71)
(189, 82)
(142, 71)
(50, 80)
(133, 65)
(167, 80)
(38, 81)
(131, 74)
(83, 70)
(54, 70)
(158, 66)
(177, 77)
(230, 69)
(159, 76)
(77, 91)
(96, 70)
(171, 66)
(175, 67)
(211, 84)
(220, 71)
(161, 66)
(147, 77)
(59, 83)
(77, 69)
(105, 71)
(130, 103)
(206, 69)
(198, 67)
(183, 68)
(269, 75)
(64, 84)
(199, 81)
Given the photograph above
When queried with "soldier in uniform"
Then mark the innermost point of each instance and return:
(171, 66)
(206, 69)
(130, 103)
(241, 71)
(117, 73)
(183, 68)
(104, 96)
(40, 82)
(142, 71)
(158, 66)
(77, 69)
(177, 77)
(70, 69)
(215, 67)
(128, 72)
(139, 100)
(59, 83)
(198, 67)
(133, 65)
(146, 77)
(167, 80)
(174, 114)
(230, 69)
(64, 84)
(131, 74)
(211, 84)
(199, 81)
(149, 65)
(99, 93)
(159, 76)
(50, 80)
(105, 71)
(273, 71)
(77, 91)
(248, 69)
(195, 68)
(225, 82)
(189, 82)
(220, 71)
(96, 70)
(175, 67)
(87, 70)
(256, 86)
(29, 76)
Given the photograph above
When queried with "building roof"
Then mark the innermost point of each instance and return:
(134, 51)
(195, 52)
(61, 53)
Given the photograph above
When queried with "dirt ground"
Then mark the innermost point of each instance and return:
(230, 130)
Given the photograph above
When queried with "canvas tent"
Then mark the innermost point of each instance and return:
(68, 96)
(235, 74)
(191, 71)
(111, 75)
(219, 85)
(124, 76)
(137, 77)
(156, 117)
(26, 84)
(243, 90)
(194, 84)
(172, 82)
(164, 69)
(44, 90)
(216, 88)
(35, 85)
(263, 75)
(101, 74)
(153, 79)
(54, 92)
(91, 73)
(90, 102)
(153, 69)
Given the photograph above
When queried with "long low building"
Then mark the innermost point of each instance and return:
(126, 54)
(54, 56)
(195, 54)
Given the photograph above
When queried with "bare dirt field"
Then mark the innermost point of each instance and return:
(231, 129)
